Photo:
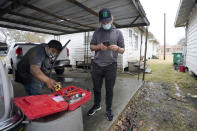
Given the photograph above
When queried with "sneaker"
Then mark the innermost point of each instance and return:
(109, 115)
(93, 110)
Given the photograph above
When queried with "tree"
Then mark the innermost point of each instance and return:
(10, 36)
(181, 42)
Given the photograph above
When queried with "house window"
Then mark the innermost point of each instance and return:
(130, 36)
(136, 42)
(130, 33)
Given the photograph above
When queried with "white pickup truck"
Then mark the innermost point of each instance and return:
(19, 49)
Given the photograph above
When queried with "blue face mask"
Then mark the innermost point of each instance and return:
(50, 54)
(107, 26)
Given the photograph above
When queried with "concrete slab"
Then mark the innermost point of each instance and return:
(58, 122)
(124, 89)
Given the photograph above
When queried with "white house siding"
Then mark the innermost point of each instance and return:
(76, 46)
(154, 49)
(128, 50)
(132, 51)
(191, 55)
(151, 49)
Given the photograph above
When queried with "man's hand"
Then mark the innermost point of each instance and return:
(36, 72)
(100, 46)
(113, 47)
(51, 84)
(103, 47)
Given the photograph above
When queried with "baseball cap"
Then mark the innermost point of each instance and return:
(105, 15)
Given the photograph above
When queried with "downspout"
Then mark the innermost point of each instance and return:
(185, 47)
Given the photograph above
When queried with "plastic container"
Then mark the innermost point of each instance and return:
(182, 68)
(177, 58)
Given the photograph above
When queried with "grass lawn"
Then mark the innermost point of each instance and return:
(163, 71)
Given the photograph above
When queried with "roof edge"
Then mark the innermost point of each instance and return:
(141, 11)
(178, 15)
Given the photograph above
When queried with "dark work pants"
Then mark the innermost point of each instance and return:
(34, 87)
(109, 73)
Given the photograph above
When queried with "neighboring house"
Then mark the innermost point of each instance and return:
(187, 17)
(153, 48)
(80, 47)
(171, 49)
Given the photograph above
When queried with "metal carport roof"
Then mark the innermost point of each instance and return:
(184, 10)
(59, 17)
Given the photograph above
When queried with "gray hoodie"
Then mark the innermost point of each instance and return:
(115, 37)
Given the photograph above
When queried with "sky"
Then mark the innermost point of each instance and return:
(155, 10)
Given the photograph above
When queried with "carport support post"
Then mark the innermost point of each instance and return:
(164, 56)
(140, 57)
(145, 53)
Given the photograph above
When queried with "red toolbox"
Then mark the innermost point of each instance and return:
(69, 98)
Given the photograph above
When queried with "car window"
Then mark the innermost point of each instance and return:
(2, 105)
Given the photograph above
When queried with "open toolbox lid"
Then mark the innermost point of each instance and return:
(38, 106)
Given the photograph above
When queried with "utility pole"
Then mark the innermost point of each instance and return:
(164, 37)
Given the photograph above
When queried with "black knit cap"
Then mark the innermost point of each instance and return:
(105, 15)
(55, 44)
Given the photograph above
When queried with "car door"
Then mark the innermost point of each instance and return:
(9, 119)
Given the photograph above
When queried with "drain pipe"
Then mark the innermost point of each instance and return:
(185, 45)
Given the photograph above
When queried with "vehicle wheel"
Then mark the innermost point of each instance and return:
(59, 71)
(14, 73)
(9, 71)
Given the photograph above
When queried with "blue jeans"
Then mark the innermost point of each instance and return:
(34, 88)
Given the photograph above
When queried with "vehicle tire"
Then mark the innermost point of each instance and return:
(59, 71)
(9, 71)
(14, 73)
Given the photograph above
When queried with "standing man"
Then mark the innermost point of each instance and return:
(31, 68)
(107, 42)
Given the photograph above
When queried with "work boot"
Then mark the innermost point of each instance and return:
(109, 115)
(93, 110)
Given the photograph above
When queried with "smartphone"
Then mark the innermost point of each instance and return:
(106, 43)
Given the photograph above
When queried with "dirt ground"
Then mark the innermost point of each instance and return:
(166, 102)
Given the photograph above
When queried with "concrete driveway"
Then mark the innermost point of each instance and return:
(124, 89)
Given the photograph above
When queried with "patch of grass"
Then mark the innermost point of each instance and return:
(2, 57)
(163, 71)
